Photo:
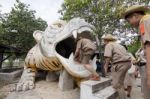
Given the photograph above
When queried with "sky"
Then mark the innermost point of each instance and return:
(46, 9)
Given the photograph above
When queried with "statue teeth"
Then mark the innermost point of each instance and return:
(74, 34)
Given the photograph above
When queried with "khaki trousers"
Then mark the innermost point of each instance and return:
(119, 71)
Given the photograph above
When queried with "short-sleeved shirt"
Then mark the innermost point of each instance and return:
(116, 52)
(144, 28)
(86, 44)
(87, 49)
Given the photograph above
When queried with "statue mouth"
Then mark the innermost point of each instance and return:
(65, 52)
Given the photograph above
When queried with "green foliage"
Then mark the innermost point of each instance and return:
(103, 14)
(134, 47)
(17, 27)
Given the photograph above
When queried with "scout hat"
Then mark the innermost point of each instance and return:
(135, 8)
(109, 37)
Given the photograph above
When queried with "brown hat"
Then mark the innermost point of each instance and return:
(109, 37)
(135, 8)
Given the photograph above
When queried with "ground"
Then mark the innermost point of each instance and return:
(50, 90)
(43, 90)
(136, 92)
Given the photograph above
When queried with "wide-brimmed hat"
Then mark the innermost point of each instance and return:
(135, 8)
(109, 37)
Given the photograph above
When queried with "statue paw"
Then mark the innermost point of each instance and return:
(23, 86)
(27, 81)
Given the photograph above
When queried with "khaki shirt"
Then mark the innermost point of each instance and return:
(144, 28)
(116, 52)
(86, 44)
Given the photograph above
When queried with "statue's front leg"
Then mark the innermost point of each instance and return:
(28, 77)
(27, 80)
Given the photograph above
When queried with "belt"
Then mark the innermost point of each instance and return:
(120, 62)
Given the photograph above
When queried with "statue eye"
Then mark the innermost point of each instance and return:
(59, 25)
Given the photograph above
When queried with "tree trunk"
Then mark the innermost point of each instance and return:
(1, 57)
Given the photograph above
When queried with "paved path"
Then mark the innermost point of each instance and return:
(136, 92)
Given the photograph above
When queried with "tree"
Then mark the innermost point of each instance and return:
(18, 26)
(103, 14)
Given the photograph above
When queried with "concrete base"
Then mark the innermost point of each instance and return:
(51, 76)
(97, 90)
(10, 76)
(66, 81)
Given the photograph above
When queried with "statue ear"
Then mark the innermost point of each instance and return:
(37, 35)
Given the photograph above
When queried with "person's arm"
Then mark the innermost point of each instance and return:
(147, 52)
(107, 61)
(77, 51)
(108, 55)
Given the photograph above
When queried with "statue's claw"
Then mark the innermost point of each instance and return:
(27, 81)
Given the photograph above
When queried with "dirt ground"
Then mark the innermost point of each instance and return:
(50, 90)
(43, 90)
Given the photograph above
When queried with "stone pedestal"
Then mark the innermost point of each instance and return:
(10, 76)
(51, 76)
(97, 90)
(66, 81)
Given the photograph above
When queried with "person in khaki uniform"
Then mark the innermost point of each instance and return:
(85, 48)
(121, 62)
(137, 16)
(142, 67)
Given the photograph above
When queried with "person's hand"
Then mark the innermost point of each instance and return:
(77, 53)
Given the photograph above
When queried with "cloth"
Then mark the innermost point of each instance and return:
(118, 74)
(132, 69)
(116, 52)
(84, 50)
(144, 28)
(129, 80)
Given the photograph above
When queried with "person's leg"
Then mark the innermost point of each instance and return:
(118, 75)
(117, 85)
(121, 92)
(128, 84)
(146, 90)
(142, 73)
(129, 88)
